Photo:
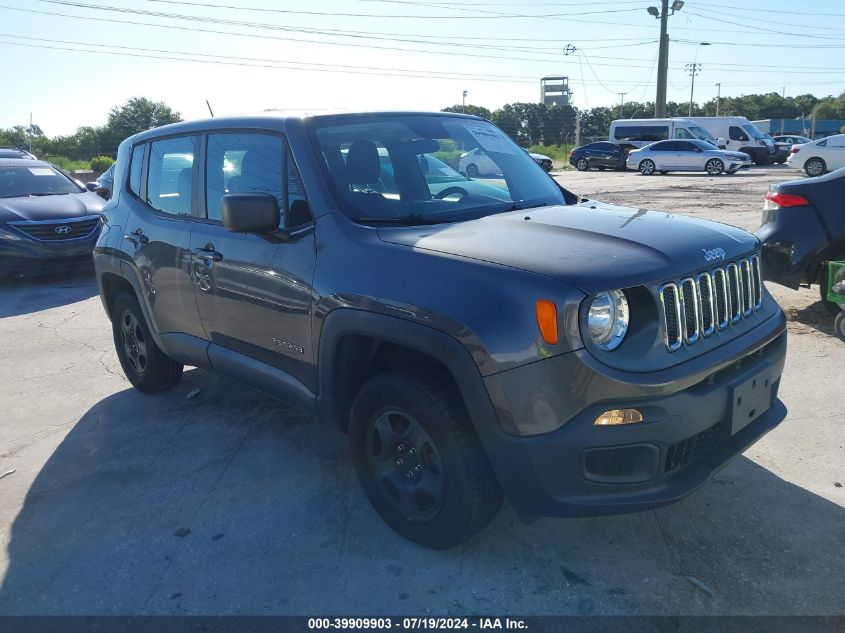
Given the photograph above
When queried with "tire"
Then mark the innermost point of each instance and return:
(815, 167)
(148, 368)
(472, 170)
(824, 280)
(839, 325)
(582, 165)
(662, 172)
(601, 168)
(647, 167)
(780, 161)
(714, 167)
(413, 420)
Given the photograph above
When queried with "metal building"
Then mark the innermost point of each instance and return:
(554, 90)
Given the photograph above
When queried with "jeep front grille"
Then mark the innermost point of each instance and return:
(697, 307)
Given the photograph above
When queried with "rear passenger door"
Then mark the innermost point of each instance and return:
(835, 152)
(255, 291)
(158, 231)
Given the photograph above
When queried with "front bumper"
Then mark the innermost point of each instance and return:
(29, 257)
(691, 428)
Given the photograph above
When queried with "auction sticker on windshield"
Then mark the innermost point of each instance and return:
(41, 171)
(490, 139)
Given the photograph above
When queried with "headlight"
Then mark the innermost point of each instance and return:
(607, 320)
(8, 235)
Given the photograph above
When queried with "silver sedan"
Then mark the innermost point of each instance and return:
(693, 155)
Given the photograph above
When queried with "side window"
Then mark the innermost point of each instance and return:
(135, 164)
(736, 134)
(169, 175)
(836, 141)
(243, 163)
(683, 133)
(822, 143)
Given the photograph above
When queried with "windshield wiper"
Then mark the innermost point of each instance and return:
(405, 220)
(50, 193)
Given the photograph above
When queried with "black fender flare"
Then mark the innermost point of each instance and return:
(440, 346)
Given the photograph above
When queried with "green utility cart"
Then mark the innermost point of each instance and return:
(836, 294)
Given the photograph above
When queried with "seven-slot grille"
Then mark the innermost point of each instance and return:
(698, 307)
(56, 230)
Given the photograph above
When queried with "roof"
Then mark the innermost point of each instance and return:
(23, 162)
(277, 120)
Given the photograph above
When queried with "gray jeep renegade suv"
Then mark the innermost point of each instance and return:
(476, 337)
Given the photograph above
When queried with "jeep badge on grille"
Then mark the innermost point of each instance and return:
(711, 254)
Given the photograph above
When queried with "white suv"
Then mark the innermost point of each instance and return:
(817, 157)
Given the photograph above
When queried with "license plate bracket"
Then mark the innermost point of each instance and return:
(751, 399)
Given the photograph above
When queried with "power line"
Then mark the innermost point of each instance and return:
(487, 15)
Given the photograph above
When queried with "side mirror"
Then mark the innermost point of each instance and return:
(250, 212)
(91, 186)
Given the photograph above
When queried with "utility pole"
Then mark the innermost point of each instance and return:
(662, 14)
(464, 102)
(578, 129)
(621, 102)
(718, 97)
(662, 62)
(30, 132)
(693, 69)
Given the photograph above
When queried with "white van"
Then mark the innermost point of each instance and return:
(740, 135)
(636, 133)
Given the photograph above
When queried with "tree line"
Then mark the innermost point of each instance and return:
(88, 143)
(526, 123)
(537, 123)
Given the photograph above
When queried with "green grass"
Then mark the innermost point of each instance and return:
(555, 152)
(67, 164)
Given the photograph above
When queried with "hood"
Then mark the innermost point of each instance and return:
(536, 156)
(72, 205)
(591, 245)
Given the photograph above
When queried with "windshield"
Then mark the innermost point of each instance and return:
(702, 134)
(753, 132)
(705, 145)
(424, 169)
(34, 181)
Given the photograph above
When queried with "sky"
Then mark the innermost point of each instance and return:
(68, 62)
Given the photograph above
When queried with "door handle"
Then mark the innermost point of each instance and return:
(207, 253)
(136, 237)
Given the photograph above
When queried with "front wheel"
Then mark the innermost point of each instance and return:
(714, 167)
(582, 165)
(647, 167)
(472, 170)
(419, 461)
(148, 368)
(815, 167)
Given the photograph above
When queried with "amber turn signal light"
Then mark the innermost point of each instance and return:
(547, 320)
(618, 416)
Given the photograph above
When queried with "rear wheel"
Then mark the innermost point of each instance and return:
(148, 368)
(472, 170)
(824, 285)
(647, 167)
(582, 165)
(815, 167)
(419, 461)
(839, 325)
(714, 167)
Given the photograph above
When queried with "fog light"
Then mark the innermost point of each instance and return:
(618, 416)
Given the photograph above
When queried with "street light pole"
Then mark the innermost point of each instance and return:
(662, 62)
(694, 69)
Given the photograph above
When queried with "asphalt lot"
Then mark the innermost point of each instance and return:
(228, 502)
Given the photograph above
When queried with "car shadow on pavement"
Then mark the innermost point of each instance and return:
(26, 295)
(224, 501)
(815, 316)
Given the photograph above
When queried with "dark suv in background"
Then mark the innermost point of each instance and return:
(475, 340)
